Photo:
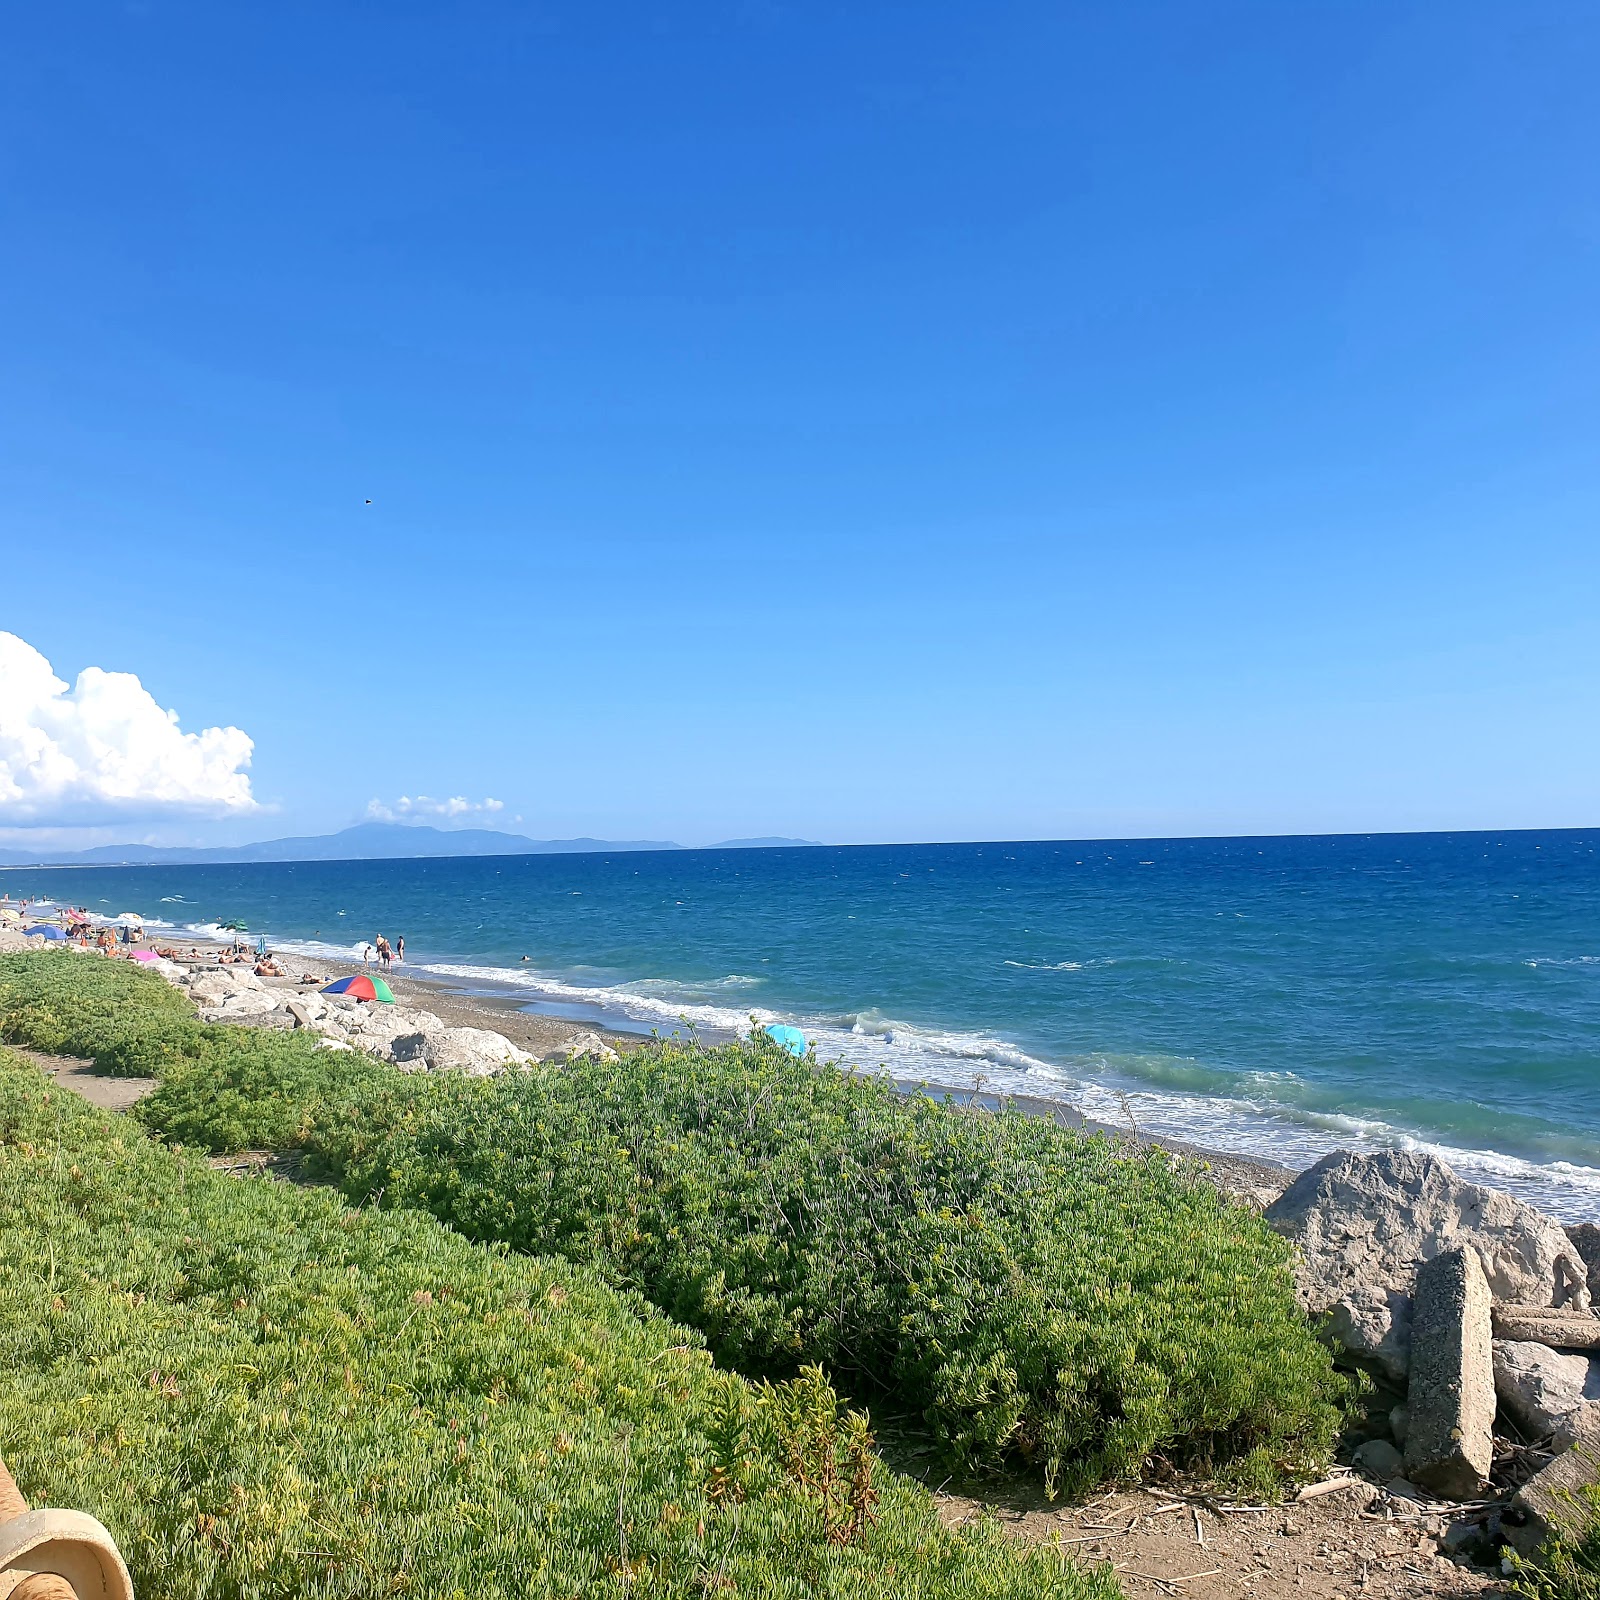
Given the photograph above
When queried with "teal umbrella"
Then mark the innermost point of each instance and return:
(791, 1039)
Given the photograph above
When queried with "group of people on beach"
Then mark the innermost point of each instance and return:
(385, 954)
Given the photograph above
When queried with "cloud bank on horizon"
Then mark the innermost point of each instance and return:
(410, 808)
(104, 749)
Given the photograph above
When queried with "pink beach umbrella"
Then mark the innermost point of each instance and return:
(143, 955)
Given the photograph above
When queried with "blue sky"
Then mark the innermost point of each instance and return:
(890, 422)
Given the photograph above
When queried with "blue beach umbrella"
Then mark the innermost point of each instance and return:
(791, 1039)
(44, 931)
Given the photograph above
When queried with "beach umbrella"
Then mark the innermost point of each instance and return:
(143, 955)
(363, 987)
(791, 1039)
(235, 927)
(45, 931)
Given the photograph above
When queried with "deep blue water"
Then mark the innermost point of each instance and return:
(1276, 996)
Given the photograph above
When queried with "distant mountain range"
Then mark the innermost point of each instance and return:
(367, 841)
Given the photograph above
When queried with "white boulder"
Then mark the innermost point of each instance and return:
(1544, 1391)
(1369, 1221)
(478, 1052)
(582, 1044)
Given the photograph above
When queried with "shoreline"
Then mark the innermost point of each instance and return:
(457, 1003)
(1198, 993)
(539, 1020)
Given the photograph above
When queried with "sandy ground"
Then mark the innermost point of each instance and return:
(114, 1094)
(1165, 1542)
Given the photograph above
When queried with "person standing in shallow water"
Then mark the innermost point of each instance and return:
(400, 949)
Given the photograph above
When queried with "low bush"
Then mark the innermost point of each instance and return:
(257, 1089)
(128, 1022)
(264, 1392)
(1030, 1294)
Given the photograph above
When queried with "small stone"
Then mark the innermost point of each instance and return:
(1399, 1419)
(1379, 1459)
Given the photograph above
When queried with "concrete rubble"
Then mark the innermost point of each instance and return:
(1473, 1314)
(1552, 1502)
(1450, 1403)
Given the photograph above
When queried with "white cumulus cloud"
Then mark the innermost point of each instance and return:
(104, 748)
(408, 807)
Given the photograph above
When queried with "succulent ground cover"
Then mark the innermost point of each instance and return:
(1030, 1295)
(264, 1391)
(1027, 1294)
(128, 1022)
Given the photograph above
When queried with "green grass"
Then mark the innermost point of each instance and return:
(263, 1391)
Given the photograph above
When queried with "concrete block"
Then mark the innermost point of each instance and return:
(1451, 1402)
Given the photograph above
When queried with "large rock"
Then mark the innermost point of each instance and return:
(1554, 1502)
(1375, 1326)
(582, 1044)
(234, 994)
(478, 1052)
(1369, 1220)
(1544, 1392)
(1450, 1405)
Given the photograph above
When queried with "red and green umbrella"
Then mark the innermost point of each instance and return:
(362, 987)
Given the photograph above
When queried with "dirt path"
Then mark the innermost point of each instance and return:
(98, 1088)
(1353, 1542)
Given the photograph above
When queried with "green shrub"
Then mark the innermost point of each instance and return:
(1030, 1293)
(263, 1392)
(131, 1023)
(1568, 1568)
(256, 1089)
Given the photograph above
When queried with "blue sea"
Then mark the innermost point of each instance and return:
(1277, 997)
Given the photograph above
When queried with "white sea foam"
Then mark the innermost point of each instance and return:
(320, 949)
(126, 919)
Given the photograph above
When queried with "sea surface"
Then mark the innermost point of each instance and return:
(1278, 997)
